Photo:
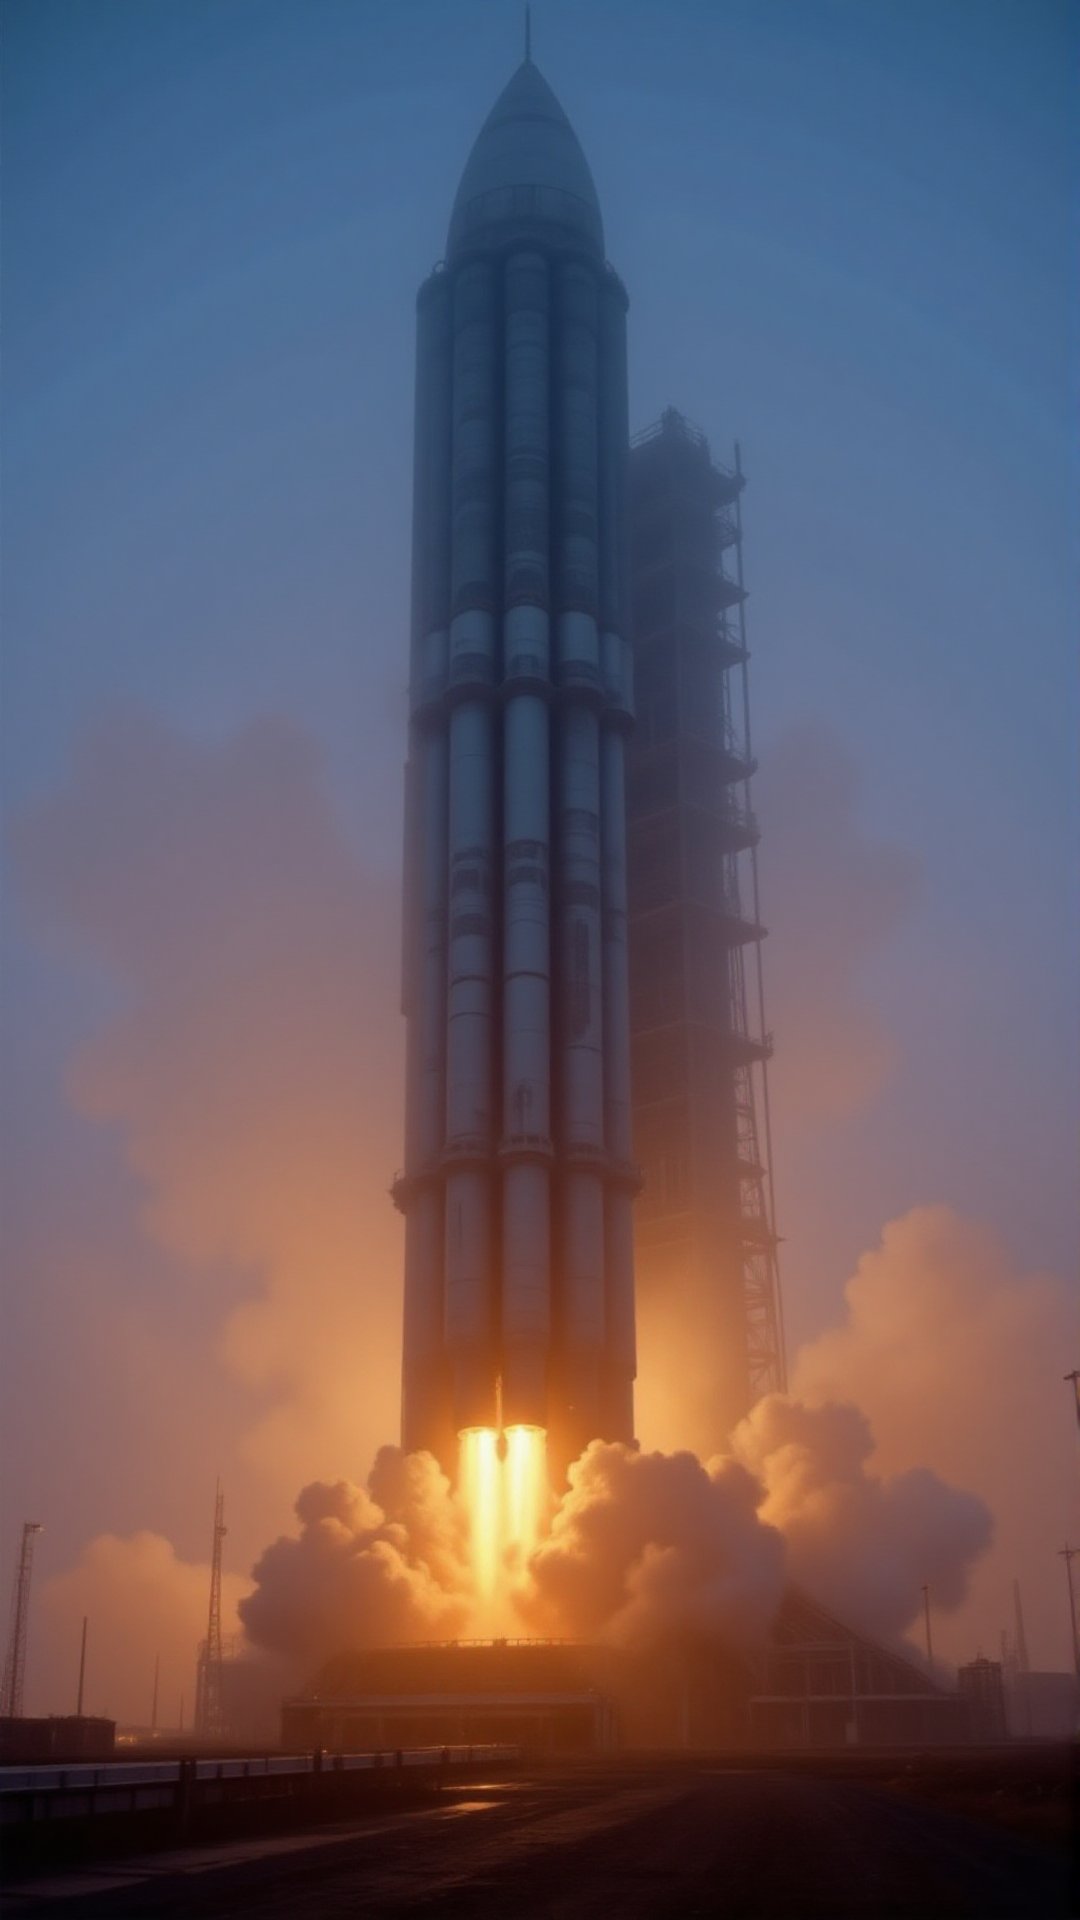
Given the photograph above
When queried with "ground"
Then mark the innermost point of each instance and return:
(626, 1838)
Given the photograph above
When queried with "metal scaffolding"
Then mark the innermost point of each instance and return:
(707, 1238)
(209, 1714)
(761, 1263)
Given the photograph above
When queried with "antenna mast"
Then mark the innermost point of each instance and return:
(11, 1694)
(1023, 1664)
(82, 1671)
(1069, 1554)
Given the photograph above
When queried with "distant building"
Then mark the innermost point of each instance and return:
(250, 1692)
(60, 1736)
(820, 1684)
(981, 1688)
(1043, 1706)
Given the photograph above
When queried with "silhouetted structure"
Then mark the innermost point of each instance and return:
(981, 1688)
(249, 1692)
(541, 1694)
(818, 1683)
(1042, 1706)
(60, 1736)
(814, 1683)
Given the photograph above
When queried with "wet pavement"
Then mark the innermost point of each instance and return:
(618, 1839)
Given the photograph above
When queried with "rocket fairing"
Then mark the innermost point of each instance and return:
(518, 1182)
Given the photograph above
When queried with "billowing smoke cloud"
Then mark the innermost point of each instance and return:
(645, 1550)
(371, 1567)
(142, 1603)
(834, 899)
(648, 1548)
(860, 1543)
(248, 1066)
(955, 1355)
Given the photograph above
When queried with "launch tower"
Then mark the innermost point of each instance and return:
(708, 1289)
(518, 1184)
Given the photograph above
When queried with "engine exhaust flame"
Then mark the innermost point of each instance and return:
(478, 1484)
(503, 1484)
(525, 1490)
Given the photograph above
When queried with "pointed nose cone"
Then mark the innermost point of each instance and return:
(526, 172)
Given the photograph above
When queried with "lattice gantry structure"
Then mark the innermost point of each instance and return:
(706, 1251)
(209, 1718)
(11, 1688)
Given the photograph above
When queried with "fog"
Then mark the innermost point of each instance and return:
(860, 265)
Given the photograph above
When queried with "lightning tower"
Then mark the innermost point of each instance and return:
(11, 1693)
(209, 1715)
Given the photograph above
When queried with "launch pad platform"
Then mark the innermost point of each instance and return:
(813, 1684)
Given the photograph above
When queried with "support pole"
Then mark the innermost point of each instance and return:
(1068, 1554)
(82, 1671)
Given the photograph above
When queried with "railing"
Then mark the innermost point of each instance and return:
(87, 1788)
(500, 1640)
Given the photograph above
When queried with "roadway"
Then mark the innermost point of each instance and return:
(614, 1839)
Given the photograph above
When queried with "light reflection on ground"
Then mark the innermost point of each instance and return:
(466, 1806)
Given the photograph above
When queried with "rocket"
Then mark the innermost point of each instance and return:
(518, 1181)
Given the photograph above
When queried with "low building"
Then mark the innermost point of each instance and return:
(814, 1684)
(251, 1688)
(1043, 1706)
(820, 1684)
(60, 1736)
(981, 1687)
(536, 1694)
